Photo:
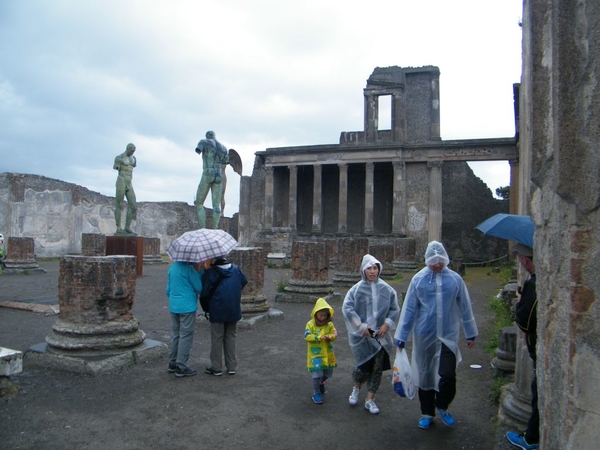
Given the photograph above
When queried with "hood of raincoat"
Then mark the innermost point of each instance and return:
(320, 304)
(368, 261)
(436, 253)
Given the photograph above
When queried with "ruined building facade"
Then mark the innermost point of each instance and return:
(401, 182)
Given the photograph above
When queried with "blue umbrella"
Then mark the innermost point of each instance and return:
(509, 226)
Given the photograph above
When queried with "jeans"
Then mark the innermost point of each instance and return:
(182, 336)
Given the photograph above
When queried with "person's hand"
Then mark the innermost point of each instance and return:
(470, 343)
(383, 330)
(325, 337)
(399, 344)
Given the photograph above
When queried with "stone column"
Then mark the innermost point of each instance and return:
(20, 256)
(371, 116)
(152, 250)
(399, 205)
(93, 244)
(343, 199)
(435, 133)
(398, 116)
(293, 208)
(514, 186)
(369, 200)
(254, 303)
(96, 295)
(435, 200)
(317, 208)
(310, 273)
(350, 254)
(269, 200)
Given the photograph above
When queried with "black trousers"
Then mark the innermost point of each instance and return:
(447, 371)
(532, 434)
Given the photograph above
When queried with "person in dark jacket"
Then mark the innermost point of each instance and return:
(526, 320)
(225, 281)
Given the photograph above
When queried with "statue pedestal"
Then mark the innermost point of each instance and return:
(127, 245)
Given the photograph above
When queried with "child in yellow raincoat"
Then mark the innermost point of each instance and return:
(320, 359)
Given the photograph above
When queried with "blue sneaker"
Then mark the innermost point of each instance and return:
(425, 422)
(518, 440)
(447, 418)
(317, 399)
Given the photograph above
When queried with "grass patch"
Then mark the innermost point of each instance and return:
(280, 284)
(500, 380)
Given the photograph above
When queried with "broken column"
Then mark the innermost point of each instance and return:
(20, 256)
(350, 254)
(255, 307)
(310, 273)
(152, 251)
(404, 254)
(96, 328)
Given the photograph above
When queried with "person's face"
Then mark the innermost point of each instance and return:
(321, 316)
(437, 267)
(206, 264)
(372, 272)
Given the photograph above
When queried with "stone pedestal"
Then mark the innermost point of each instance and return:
(310, 274)
(127, 245)
(350, 254)
(255, 308)
(20, 256)
(93, 244)
(95, 330)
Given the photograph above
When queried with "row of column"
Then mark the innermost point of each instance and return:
(399, 198)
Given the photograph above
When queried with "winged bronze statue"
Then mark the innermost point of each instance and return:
(235, 161)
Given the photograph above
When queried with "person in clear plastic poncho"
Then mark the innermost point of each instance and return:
(436, 305)
(370, 312)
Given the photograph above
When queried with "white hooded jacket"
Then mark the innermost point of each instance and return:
(436, 306)
(370, 305)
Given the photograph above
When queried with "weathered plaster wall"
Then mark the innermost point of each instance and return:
(56, 213)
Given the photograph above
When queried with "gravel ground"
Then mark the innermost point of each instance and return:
(267, 404)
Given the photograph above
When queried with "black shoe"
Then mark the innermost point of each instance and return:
(211, 371)
(172, 368)
(185, 372)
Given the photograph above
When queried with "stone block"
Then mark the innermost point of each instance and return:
(11, 362)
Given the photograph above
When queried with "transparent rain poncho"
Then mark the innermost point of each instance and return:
(370, 305)
(434, 308)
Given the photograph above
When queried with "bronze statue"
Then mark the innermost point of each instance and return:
(214, 159)
(124, 163)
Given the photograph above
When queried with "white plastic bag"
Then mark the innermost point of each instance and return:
(402, 379)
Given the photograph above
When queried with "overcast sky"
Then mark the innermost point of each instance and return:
(79, 79)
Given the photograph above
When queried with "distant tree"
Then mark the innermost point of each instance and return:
(503, 192)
